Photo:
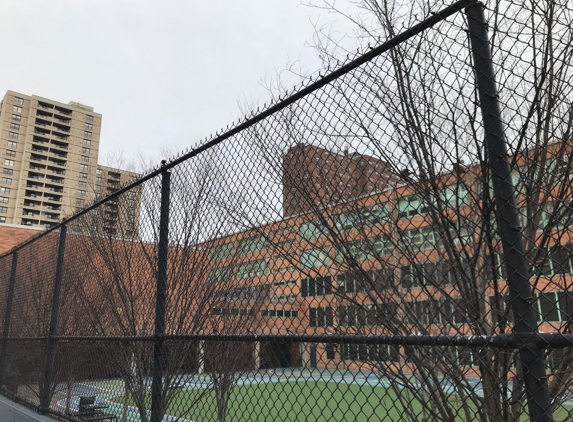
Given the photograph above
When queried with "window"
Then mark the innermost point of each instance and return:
(4, 200)
(4, 210)
(87, 142)
(13, 135)
(365, 217)
(97, 188)
(12, 144)
(82, 184)
(320, 317)
(312, 230)
(316, 286)
(83, 175)
(85, 150)
(80, 202)
(132, 179)
(10, 153)
(17, 109)
(18, 100)
(16, 117)
(88, 126)
(84, 167)
(221, 251)
(2, 219)
(87, 134)
(6, 180)
(409, 206)
(5, 190)
(98, 179)
(85, 158)
(8, 171)
(99, 171)
(81, 192)
(89, 118)
(278, 313)
(9, 162)
(218, 275)
(251, 244)
(314, 258)
(14, 126)
(554, 260)
(253, 269)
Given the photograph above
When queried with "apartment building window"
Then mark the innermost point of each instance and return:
(98, 195)
(3, 210)
(10, 153)
(131, 210)
(87, 142)
(2, 219)
(97, 188)
(131, 194)
(314, 258)
(88, 126)
(221, 251)
(89, 118)
(4, 190)
(13, 135)
(132, 179)
(81, 192)
(4, 200)
(320, 317)
(85, 158)
(17, 109)
(82, 184)
(87, 134)
(553, 260)
(554, 306)
(83, 175)
(410, 206)
(14, 126)
(9, 162)
(80, 202)
(98, 179)
(85, 150)
(365, 217)
(12, 144)
(99, 171)
(84, 167)
(9, 172)
(18, 100)
(6, 180)
(16, 117)
(252, 269)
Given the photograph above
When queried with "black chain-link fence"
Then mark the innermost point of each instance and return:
(393, 241)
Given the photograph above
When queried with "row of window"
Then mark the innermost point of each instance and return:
(279, 313)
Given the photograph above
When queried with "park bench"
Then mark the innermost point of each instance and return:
(89, 410)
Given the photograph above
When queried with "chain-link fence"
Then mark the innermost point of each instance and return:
(393, 241)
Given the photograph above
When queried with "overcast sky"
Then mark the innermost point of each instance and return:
(162, 73)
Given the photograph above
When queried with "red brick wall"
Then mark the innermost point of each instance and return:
(11, 236)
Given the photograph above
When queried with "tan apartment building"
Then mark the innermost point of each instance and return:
(48, 155)
(121, 214)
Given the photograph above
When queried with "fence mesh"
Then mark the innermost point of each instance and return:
(371, 247)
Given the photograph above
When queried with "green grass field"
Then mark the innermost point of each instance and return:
(307, 401)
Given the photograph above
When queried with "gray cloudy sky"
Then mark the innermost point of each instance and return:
(162, 73)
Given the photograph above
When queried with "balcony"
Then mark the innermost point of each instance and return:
(41, 132)
(64, 111)
(31, 185)
(64, 121)
(57, 190)
(57, 162)
(39, 149)
(45, 106)
(39, 140)
(28, 213)
(59, 181)
(60, 154)
(62, 137)
(54, 199)
(52, 216)
(26, 222)
(58, 145)
(37, 158)
(62, 128)
(54, 207)
(30, 195)
(60, 172)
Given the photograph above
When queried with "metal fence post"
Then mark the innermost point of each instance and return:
(159, 343)
(8, 317)
(51, 342)
(531, 358)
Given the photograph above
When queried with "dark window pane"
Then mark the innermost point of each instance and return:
(548, 305)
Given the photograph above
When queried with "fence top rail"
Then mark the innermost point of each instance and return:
(278, 106)
(501, 341)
